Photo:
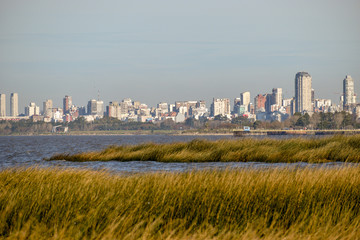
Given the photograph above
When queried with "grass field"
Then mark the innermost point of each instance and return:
(291, 203)
(336, 148)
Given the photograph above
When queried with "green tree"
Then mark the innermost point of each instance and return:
(348, 121)
(190, 122)
(220, 118)
(241, 120)
(303, 121)
(257, 124)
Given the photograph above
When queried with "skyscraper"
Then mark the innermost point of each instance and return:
(100, 108)
(2, 105)
(67, 103)
(95, 107)
(14, 105)
(277, 96)
(268, 102)
(91, 107)
(303, 92)
(113, 110)
(47, 108)
(259, 103)
(237, 106)
(245, 99)
(349, 93)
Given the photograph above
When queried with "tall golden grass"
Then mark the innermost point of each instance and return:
(337, 148)
(291, 203)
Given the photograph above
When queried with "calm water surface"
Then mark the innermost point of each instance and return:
(28, 151)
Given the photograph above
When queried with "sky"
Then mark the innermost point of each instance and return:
(171, 50)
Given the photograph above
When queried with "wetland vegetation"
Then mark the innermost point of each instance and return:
(312, 150)
(291, 203)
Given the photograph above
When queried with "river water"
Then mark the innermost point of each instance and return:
(29, 151)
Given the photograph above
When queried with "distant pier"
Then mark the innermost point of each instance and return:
(242, 133)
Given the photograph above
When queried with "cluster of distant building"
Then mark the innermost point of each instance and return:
(269, 106)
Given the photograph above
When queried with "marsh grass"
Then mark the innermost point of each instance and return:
(337, 148)
(291, 203)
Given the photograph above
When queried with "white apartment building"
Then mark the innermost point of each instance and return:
(32, 110)
(303, 92)
(349, 92)
(14, 105)
(245, 100)
(2, 105)
(220, 106)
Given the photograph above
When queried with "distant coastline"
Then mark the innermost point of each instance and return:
(126, 133)
(218, 132)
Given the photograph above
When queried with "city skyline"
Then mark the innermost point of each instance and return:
(304, 101)
(161, 51)
(243, 98)
(60, 103)
(25, 99)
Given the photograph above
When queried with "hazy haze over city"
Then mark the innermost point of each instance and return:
(160, 50)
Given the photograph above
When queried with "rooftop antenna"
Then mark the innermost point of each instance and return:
(98, 95)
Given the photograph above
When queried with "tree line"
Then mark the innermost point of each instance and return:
(338, 120)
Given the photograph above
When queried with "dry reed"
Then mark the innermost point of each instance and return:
(291, 203)
(337, 148)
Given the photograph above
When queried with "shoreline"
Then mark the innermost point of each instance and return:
(235, 132)
(118, 134)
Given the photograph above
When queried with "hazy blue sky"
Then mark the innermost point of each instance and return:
(168, 50)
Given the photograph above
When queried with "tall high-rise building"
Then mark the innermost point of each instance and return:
(259, 103)
(268, 102)
(113, 110)
(100, 108)
(47, 108)
(303, 92)
(220, 106)
(349, 93)
(95, 107)
(245, 100)
(14, 105)
(91, 107)
(277, 96)
(32, 110)
(2, 105)
(237, 105)
(67, 103)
